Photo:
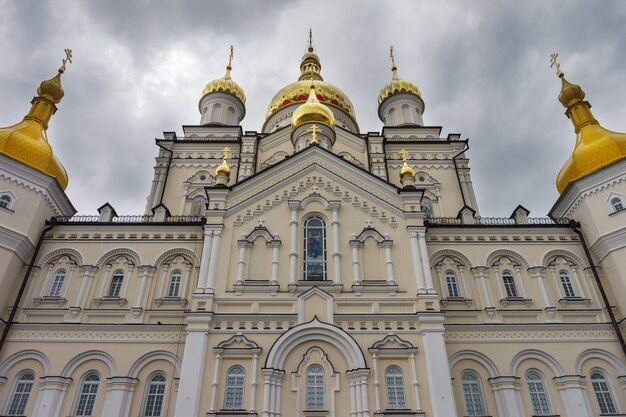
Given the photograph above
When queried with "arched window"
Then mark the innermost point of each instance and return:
(603, 392)
(175, 281)
(116, 283)
(617, 204)
(155, 396)
(509, 284)
(21, 393)
(235, 379)
(315, 388)
(538, 395)
(197, 206)
(5, 201)
(567, 284)
(395, 388)
(451, 284)
(314, 249)
(87, 395)
(57, 284)
(472, 394)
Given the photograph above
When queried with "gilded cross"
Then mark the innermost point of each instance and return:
(404, 154)
(393, 61)
(227, 153)
(230, 59)
(68, 58)
(310, 46)
(554, 63)
(313, 130)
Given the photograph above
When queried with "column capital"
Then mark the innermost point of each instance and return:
(570, 381)
(122, 382)
(480, 271)
(55, 382)
(88, 270)
(537, 272)
(505, 382)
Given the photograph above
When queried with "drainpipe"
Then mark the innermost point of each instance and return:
(50, 224)
(576, 228)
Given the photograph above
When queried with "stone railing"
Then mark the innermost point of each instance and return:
(208, 138)
(128, 219)
(496, 221)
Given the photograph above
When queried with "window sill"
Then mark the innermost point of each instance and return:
(613, 214)
(231, 413)
(110, 300)
(456, 300)
(170, 301)
(49, 300)
(574, 300)
(516, 300)
(315, 413)
(405, 412)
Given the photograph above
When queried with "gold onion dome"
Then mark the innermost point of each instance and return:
(397, 85)
(312, 111)
(596, 147)
(223, 168)
(27, 141)
(406, 170)
(225, 84)
(298, 91)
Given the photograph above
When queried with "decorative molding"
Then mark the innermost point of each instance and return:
(177, 251)
(453, 254)
(16, 242)
(117, 252)
(548, 257)
(608, 243)
(71, 252)
(506, 253)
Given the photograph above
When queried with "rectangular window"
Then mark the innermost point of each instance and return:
(509, 286)
(116, 286)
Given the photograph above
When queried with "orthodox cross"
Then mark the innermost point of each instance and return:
(554, 63)
(404, 154)
(227, 152)
(68, 58)
(310, 46)
(230, 59)
(393, 61)
(313, 130)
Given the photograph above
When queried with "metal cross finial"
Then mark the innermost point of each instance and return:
(393, 61)
(313, 130)
(554, 63)
(230, 59)
(404, 154)
(227, 153)
(68, 58)
(310, 46)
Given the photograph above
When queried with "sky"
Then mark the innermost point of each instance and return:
(482, 66)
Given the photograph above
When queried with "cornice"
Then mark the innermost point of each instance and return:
(16, 242)
(608, 243)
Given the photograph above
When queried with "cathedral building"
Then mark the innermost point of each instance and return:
(312, 270)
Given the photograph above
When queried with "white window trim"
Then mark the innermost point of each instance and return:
(609, 385)
(80, 391)
(402, 385)
(610, 204)
(12, 202)
(144, 402)
(545, 389)
(11, 396)
(483, 403)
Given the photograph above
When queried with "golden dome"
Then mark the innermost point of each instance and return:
(326, 93)
(405, 171)
(397, 86)
(225, 84)
(223, 168)
(27, 141)
(596, 147)
(312, 111)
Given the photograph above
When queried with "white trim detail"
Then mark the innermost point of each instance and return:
(16, 242)
(24, 355)
(557, 370)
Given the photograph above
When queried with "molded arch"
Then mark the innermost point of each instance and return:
(72, 253)
(477, 357)
(78, 360)
(24, 355)
(599, 354)
(185, 253)
(117, 252)
(370, 232)
(547, 258)
(538, 355)
(507, 253)
(151, 357)
(464, 260)
(315, 330)
(259, 231)
(314, 198)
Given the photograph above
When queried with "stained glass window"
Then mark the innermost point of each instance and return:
(314, 249)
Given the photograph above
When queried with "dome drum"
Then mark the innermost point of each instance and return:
(221, 108)
(402, 109)
(302, 136)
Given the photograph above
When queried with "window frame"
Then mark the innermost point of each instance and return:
(179, 284)
(509, 276)
(235, 383)
(18, 409)
(616, 203)
(312, 402)
(57, 283)
(4, 195)
(478, 391)
(306, 261)
(148, 394)
(609, 391)
(399, 401)
(118, 273)
(568, 286)
(90, 396)
(456, 293)
(546, 398)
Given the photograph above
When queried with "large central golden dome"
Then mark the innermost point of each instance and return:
(298, 92)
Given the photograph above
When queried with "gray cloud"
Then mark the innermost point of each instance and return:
(482, 67)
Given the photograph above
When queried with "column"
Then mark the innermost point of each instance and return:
(582, 291)
(159, 189)
(415, 382)
(164, 279)
(87, 272)
(215, 249)
(386, 244)
(192, 369)
(421, 235)
(142, 287)
(417, 262)
(125, 283)
(575, 399)
(45, 287)
(336, 252)
(356, 270)
(118, 396)
(241, 264)
(274, 244)
(68, 281)
(271, 391)
(253, 383)
(185, 287)
(204, 261)
(215, 383)
(293, 253)
(538, 274)
(557, 283)
(518, 274)
(105, 279)
(376, 382)
(499, 283)
(466, 293)
(508, 398)
(480, 273)
(50, 397)
(437, 366)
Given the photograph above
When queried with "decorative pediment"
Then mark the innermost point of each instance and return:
(238, 341)
(392, 343)
(315, 304)
(259, 231)
(369, 231)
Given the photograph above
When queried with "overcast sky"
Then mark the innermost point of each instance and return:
(482, 66)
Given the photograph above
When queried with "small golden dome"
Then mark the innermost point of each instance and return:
(313, 111)
(406, 171)
(223, 169)
(397, 86)
(52, 89)
(596, 147)
(225, 84)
